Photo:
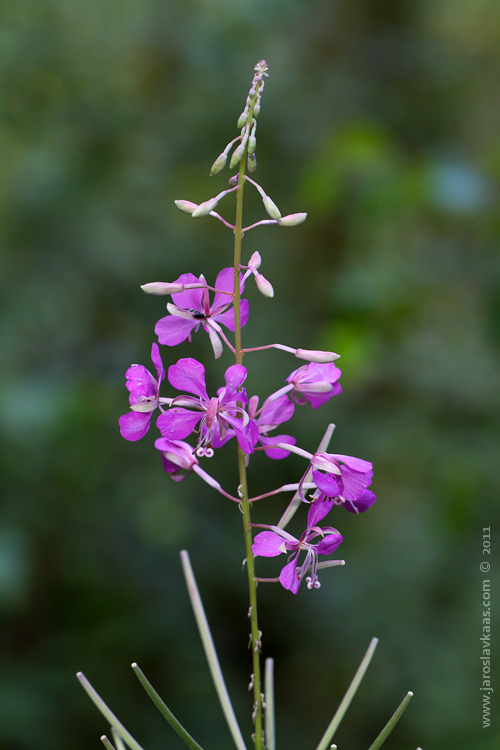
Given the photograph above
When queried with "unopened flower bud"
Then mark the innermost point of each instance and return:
(161, 289)
(264, 286)
(251, 163)
(218, 164)
(233, 180)
(237, 154)
(311, 355)
(256, 109)
(255, 260)
(292, 220)
(204, 208)
(252, 144)
(242, 118)
(187, 206)
(271, 208)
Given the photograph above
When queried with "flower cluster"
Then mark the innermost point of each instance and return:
(330, 479)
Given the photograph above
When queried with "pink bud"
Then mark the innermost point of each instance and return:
(292, 220)
(161, 288)
(264, 286)
(312, 355)
(255, 260)
(187, 206)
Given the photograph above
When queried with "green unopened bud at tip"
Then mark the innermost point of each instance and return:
(252, 144)
(251, 163)
(292, 220)
(204, 208)
(237, 154)
(271, 208)
(312, 355)
(264, 286)
(218, 164)
(162, 288)
(187, 206)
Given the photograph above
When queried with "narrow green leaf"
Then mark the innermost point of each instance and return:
(107, 713)
(296, 501)
(269, 696)
(346, 700)
(391, 723)
(210, 652)
(164, 710)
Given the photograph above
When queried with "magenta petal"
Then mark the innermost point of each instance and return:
(192, 299)
(225, 282)
(318, 509)
(173, 330)
(278, 411)
(318, 399)
(177, 423)
(276, 453)
(329, 544)
(188, 375)
(235, 377)
(156, 359)
(326, 483)
(246, 436)
(358, 464)
(227, 318)
(354, 482)
(364, 501)
(134, 425)
(289, 577)
(268, 544)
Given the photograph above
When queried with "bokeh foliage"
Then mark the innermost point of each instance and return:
(382, 120)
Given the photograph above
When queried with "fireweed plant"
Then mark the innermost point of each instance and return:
(210, 421)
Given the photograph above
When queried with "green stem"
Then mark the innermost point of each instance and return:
(346, 700)
(391, 723)
(164, 709)
(255, 640)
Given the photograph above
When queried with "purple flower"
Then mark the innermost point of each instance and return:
(144, 397)
(192, 308)
(344, 483)
(316, 383)
(273, 543)
(270, 416)
(176, 456)
(215, 415)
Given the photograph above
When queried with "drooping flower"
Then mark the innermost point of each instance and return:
(316, 383)
(216, 415)
(340, 480)
(192, 308)
(267, 419)
(277, 541)
(176, 456)
(144, 397)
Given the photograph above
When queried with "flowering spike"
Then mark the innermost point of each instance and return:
(161, 288)
(312, 355)
(186, 206)
(292, 220)
(271, 208)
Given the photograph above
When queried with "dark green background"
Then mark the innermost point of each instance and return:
(381, 120)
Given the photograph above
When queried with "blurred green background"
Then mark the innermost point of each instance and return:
(381, 119)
